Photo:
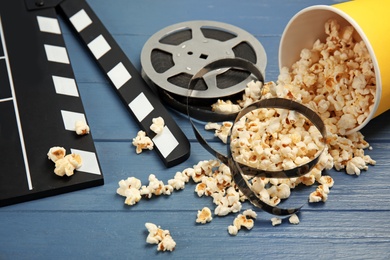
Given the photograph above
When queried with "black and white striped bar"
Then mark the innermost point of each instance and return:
(172, 145)
(39, 105)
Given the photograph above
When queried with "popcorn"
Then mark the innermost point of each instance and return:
(204, 216)
(161, 237)
(167, 244)
(276, 221)
(141, 141)
(233, 230)
(281, 191)
(221, 131)
(158, 125)
(67, 165)
(326, 180)
(293, 219)
(55, 153)
(355, 165)
(155, 187)
(81, 127)
(240, 221)
(179, 181)
(320, 194)
(225, 107)
(130, 188)
(130, 182)
(275, 139)
(132, 196)
(250, 213)
(228, 202)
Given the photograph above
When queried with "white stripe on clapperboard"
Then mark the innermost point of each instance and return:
(13, 98)
(119, 75)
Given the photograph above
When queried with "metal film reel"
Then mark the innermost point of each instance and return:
(174, 54)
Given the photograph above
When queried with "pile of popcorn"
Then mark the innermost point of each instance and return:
(335, 79)
(214, 179)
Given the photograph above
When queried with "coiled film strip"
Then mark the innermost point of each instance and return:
(238, 169)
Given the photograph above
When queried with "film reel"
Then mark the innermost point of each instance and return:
(173, 55)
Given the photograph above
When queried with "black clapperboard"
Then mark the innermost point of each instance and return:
(40, 101)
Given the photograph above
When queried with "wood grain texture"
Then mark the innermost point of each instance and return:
(95, 224)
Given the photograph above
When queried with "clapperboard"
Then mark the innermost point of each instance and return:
(40, 101)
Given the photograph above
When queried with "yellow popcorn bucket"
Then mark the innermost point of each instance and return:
(371, 21)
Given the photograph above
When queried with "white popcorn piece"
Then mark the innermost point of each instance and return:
(155, 187)
(55, 153)
(167, 244)
(233, 230)
(130, 188)
(130, 182)
(281, 191)
(250, 213)
(276, 221)
(204, 216)
(224, 131)
(157, 125)
(133, 196)
(222, 210)
(67, 165)
(355, 165)
(326, 180)
(242, 221)
(212, 126)
(141, 141)
(161, 237)
(293, 219)
(225, 107)
(320, 194)
(81, 127)
(179, 181)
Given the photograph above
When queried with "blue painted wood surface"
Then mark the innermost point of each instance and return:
(95, 224)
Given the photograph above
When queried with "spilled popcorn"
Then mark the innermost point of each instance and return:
(204, 216)
(141, 142)
(157, 125)
(129, 188)
(161, 237)
(335, 79)
(293, 219)
(64, 164)
(81, 127)
(246, 219)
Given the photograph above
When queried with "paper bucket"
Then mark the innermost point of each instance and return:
(371, 21)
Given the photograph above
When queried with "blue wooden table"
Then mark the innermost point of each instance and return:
(96, 224)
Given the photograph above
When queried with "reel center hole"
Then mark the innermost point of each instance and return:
(201, 56)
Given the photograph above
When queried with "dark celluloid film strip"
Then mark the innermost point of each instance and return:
(39, 105)
(172, 145)
(241, 172)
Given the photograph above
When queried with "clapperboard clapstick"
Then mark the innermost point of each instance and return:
(172, 145)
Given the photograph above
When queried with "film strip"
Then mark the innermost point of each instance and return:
(171, 145)
(239, 170)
